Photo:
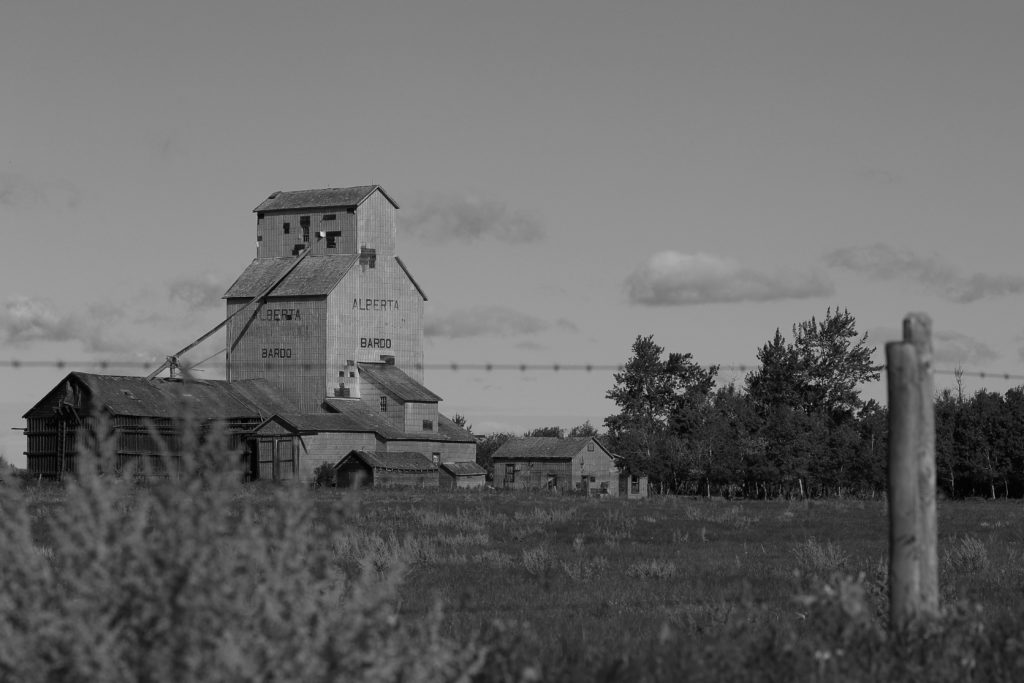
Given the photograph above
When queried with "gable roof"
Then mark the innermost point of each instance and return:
(463, 469)
(405, 461)
(314, 276)
(167, 398)
(341, 197)
(393, 380)
(544, 447)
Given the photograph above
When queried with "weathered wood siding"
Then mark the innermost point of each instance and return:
(632, 486)
(533, 474)
(376, 218)
(284, 341)
(330, 447)
(371, 394)
(272, 241)
(599, 468)
(374, 312)
(416, 414)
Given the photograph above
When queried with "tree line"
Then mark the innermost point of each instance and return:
(796, 425)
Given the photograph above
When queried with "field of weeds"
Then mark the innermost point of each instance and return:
(580, 578)
(201, 580)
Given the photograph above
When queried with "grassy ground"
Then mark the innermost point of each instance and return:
(567, 588)
(585, 577)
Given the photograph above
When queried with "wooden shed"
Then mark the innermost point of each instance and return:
(578, 464)
(461, 475)
(145, 415)
(379, 468)
(632, 485)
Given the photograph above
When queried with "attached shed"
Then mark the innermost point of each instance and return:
(461, 475)
(579, 464)
(146, 416)
(379, 468)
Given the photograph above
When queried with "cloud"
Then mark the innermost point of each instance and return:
(447, 219)
(670, 278)
(950, 348)
(24, 321)
(19, 191)
(200, 292)
(483, 321)
(883, 262)
(954, 348)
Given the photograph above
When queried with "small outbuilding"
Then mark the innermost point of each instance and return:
(632, 486)
(381, 469)
(461, 475)
(578, 464)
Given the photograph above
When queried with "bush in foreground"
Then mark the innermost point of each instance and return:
(193, 578)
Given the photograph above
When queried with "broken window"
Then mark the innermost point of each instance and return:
(368, 257)
(287, 228)
(383, 404)
(329, 217)
(305, 233)
(428, 425)
(332, 238)
(510, 473)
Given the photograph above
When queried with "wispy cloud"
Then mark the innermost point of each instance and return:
(450, 218)
(670, 278)
(954, 348)
(483, 321)
(883, 262)
(203, 291)
(950, 348)
(18, 190)
(25, 320)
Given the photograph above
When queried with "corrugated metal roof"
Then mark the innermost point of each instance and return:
(396, 382)
(166, 398)
(315, 276)
(403, 461)
(463, 469)
(341, 197)
(546, 447)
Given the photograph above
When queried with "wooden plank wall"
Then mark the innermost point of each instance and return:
(288, 353)
(271, 240)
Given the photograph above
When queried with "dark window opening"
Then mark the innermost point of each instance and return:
(332, 238)
(259, 216)
(428, 425)
(510, 473)
(634, 484)
(287, 228)
(552, 482)
(590, 446)
(383, 404)
(350, 210)
(305, 233)
(436, 457)
(304, 221)
(329, 217)
(259, 238)
(368, 257)
(297, 249)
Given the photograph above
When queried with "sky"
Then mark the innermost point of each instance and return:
(571, 173)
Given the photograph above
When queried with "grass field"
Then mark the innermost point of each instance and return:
(586, 578)
(536, 586)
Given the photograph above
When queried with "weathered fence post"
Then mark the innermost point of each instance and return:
(904, 413)
(913, 526)
(917, 330)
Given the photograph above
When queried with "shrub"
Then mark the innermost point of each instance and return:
(820, 559)
(966, 555)
(197, 578)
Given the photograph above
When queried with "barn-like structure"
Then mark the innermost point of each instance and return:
(327, 323)
(578, 464)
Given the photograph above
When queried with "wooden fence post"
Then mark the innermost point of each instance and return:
(904, 416)
(917, 330)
